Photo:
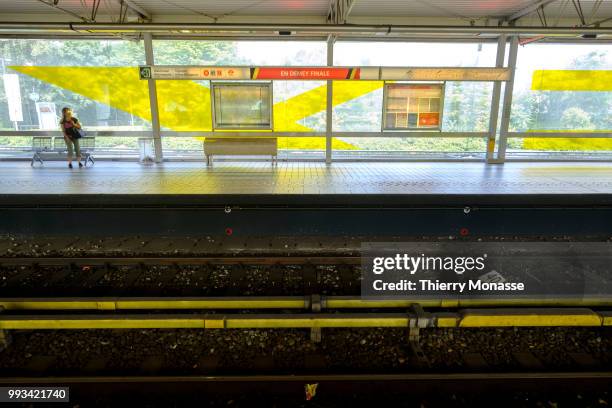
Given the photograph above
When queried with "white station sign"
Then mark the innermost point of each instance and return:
(325, 73)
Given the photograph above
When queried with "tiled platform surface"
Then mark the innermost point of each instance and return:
(308, 178)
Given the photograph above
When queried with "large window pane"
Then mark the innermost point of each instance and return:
(466, 105)
(415, 54)
(298, 106)
(97, 79)
(194, 52)
(561, 88)
(541, 104)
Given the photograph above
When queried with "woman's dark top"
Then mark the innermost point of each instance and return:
(68, 127)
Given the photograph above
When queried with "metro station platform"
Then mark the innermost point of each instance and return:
(255, 198)
(259, 178)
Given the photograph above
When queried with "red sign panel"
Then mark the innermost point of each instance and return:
(429, 119)
(311, 73)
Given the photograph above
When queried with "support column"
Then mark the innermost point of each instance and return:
(507, 106)
(493, 116)
(329, 105)
(148, 43)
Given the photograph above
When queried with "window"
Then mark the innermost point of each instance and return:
(242, 105)
(413, 106)
(93, 77)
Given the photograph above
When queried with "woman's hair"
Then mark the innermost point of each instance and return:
(64, 110)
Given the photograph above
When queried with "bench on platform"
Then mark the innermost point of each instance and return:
(243, 146)
(54, 148)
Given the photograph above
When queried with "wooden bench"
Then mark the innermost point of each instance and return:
(54, 148)
(244, 146)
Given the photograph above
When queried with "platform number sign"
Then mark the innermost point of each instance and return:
(145, 72)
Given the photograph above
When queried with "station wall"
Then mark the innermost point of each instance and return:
(554, 91)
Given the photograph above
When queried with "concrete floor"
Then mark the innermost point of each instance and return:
(307, 178)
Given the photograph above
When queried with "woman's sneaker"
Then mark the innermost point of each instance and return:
(80, 164)
(69, 165)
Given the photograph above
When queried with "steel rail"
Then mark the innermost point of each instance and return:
(310, 378)
(213, 260)
(278, 302)
(465, 318)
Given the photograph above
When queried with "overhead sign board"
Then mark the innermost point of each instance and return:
(194, 73)
(307, 73)
(324, 73)
(445, 74)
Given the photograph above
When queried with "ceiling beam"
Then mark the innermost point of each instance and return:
(55, 5)
(339, 11)
(144, 14)
(529, 9)
(323, 29)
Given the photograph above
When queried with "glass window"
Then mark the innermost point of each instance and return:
(206, 52)
(467, 104)
(96, 78)
(415, 54)
(413, 106)
(298, 106)
(242, 105)
(562, 87)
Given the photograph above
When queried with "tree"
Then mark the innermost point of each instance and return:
(545, 109)
(576, 118)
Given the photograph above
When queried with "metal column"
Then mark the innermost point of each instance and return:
(330, 96)
(499, 63)
(507, 106)
(148, 43)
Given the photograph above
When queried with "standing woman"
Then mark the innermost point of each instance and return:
(69, 124)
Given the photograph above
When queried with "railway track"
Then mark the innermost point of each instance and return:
(147, 282)
(404, 381)
(417, 318)
(118, 303)
(132, 282)
(162, 260)
(179, 276)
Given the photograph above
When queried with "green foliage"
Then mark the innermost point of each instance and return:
(180, 52)
(575, 118)
(565, 110)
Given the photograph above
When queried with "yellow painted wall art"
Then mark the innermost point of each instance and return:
(570, 80)
(186, 106)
